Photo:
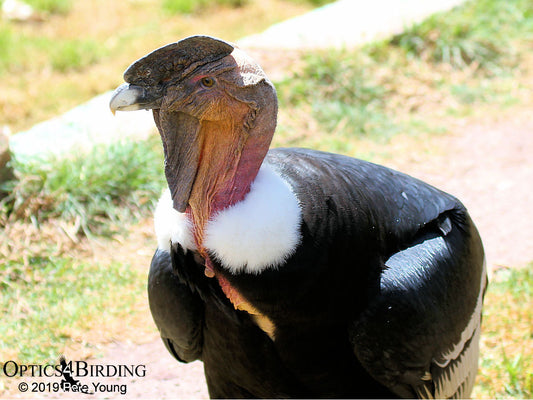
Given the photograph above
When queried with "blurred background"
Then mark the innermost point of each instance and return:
(448, 100)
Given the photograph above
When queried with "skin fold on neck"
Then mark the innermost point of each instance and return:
(230, 158)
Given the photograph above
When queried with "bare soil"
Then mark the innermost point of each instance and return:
(489, 167)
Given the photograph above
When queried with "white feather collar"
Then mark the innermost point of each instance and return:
(260, 232)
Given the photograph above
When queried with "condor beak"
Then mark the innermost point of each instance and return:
(128, 97)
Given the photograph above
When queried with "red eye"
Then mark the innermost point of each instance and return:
(207, 82)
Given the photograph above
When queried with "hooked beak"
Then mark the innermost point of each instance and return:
(129, 97)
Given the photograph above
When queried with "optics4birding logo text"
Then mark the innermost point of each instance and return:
(69, 372)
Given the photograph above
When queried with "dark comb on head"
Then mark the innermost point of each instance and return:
(176, 60)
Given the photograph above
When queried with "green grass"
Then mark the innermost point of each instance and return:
(354, 95)
(199, 6)
(405, 85)
(24, 49)
(480, 33)
(75, 54)
(335, 83)
(21, 52)
(56, 300)
(51, 6)
(506, 364)
(342, 94)
(51, 295)
(334, 101)
(97, 191)
(193, 6)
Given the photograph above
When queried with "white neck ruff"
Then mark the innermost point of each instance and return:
(257, 233)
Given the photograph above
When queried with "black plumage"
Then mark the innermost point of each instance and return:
(386, 278)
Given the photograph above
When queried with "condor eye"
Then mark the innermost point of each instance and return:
(207, 81)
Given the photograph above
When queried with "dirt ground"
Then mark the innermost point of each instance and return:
(489, 167)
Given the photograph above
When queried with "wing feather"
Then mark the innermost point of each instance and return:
(178, 312)
(421, 334)
(424, 263)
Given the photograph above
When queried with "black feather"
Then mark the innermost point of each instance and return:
(383, 284)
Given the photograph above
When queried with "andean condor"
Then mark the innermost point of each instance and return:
(293, 272)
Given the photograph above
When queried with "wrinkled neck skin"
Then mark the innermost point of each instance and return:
(226, 154)
(229, 162)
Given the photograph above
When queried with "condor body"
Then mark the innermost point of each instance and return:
(293, 272)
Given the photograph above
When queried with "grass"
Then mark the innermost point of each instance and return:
(204, 6)
(22, 53)
(75, 54)
(448, 65)
(479, 33)
(506, 365)
(58, 302)
(339, 90)
(50, 66)
(52, 289)
(192, 6)
(345, 101)
(95, 191)
(51, 6)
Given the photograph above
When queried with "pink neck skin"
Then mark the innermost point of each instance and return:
(229, 191)
(235, 190)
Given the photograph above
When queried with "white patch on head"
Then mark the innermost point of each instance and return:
(249, 71)
(261, 231)
(172, 226)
